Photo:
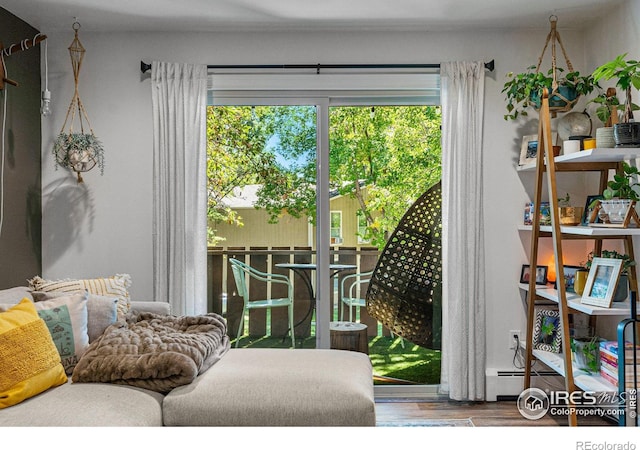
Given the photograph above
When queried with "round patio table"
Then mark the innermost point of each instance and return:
(304, 271)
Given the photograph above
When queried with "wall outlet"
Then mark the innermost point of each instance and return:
(512, 340)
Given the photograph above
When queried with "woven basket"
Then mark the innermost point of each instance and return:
(405, 291)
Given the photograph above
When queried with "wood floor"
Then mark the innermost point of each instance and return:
(482, 414)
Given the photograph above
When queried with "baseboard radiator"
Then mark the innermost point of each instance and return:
(508, 384)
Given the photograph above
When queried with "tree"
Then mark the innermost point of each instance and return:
(236, 138)
(384, 157)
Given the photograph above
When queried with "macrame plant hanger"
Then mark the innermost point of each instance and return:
(78, 151)
(553, 37)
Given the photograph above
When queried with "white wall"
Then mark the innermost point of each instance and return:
(104, 226)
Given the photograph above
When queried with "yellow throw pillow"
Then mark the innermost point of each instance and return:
(30, 361)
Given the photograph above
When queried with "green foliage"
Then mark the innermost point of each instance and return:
(385, 157)
(624, 186)
(523, 90)
(627, 73)
(627, 262)
(586, 352)
(606, 103)
(71, 148)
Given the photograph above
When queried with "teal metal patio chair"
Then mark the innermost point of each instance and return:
(243, 272)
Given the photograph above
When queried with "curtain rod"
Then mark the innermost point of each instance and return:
(490, 66)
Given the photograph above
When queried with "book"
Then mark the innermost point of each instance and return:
(610, 349)
(613, 378)
(608, 358)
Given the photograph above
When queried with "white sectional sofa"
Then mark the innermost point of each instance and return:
(246, 387)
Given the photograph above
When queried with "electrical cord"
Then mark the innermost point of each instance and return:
(4, 124)
(518, 354)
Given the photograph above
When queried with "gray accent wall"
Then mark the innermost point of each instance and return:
(20, 236)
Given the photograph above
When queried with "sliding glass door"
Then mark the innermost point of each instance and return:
(311, 188)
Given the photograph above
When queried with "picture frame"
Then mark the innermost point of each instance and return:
(541, 277)
(529, 148)
(602, 282)
(547, 331)
(569, 277)
(587, 211)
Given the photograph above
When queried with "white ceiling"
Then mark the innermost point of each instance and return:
(223, 15)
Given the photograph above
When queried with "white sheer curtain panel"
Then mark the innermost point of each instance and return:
(463, 291)
(179, 100)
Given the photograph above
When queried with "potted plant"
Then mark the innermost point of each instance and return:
(607, 112)
(627, 72)
(525, 90)
(79, 152)
(624, 186)
(569, 215)
(585, 353)
(622, 290)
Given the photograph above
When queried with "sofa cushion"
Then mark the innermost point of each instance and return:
(116, 286)
(66, 318)
(12, 296)
(101, 311)
(277, 387)
(87, 404)
(30, 361)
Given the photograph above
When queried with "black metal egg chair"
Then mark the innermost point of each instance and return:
(405, 291)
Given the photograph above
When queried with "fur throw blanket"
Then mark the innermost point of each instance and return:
(155, 352)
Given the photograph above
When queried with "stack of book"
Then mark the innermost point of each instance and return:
(609, 363)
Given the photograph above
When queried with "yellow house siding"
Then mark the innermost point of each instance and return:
(257, 231)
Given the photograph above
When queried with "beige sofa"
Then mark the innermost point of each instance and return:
(247, 387)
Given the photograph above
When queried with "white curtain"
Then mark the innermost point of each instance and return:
(463, 305)
(179, 100)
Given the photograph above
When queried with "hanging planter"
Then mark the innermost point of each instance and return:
(79, 151)
(525, 89)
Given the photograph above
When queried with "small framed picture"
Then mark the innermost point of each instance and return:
(529, 149)
(541, 274)
(570, 277)
(588, 209)
(602, 282)
(547, 331)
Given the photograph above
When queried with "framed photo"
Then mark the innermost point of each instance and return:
(570, 277)
(588, 210)
(602, 282)
(547, 331)
(541, 274)
(529, 149)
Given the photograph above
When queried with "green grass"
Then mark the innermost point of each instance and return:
(412, 364)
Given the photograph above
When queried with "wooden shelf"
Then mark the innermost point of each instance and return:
(573, 301)
(595, 155)
(583, 380)
(586, 231)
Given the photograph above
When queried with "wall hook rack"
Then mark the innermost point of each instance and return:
(14, 48)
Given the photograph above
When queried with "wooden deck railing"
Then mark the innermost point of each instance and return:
(223, 298)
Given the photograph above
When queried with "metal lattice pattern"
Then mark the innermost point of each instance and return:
(405, 291)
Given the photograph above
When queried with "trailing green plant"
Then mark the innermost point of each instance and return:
(627, 74)
(624, 186)
(524, 90)
(627, 262)
(72, 149)
(588, 351)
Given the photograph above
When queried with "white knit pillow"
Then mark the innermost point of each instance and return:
(115, 286)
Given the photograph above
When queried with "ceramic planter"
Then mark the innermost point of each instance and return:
(627, 134)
